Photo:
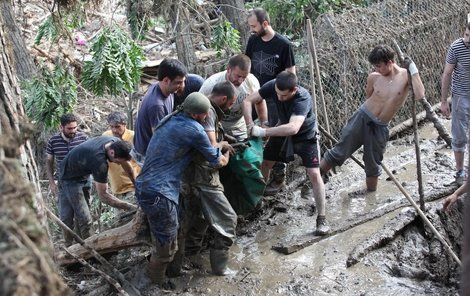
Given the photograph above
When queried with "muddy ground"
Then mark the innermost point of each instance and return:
(412, 262)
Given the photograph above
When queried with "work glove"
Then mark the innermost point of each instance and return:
(410, 65)
(257, 131)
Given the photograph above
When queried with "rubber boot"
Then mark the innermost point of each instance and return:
(156, 271)
(219, 261)
(68, 238)
(175, 267)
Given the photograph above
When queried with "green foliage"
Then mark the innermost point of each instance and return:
(58, 25)
(47, 29)
(287, 16)
(116, 64)
(225, 37)
(49, 95)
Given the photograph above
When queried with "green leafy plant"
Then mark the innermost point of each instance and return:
(225, 38)
(48, 29)
(58, 25)
(116, 64)
(50, 95)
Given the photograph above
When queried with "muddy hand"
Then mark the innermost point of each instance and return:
(449, 201)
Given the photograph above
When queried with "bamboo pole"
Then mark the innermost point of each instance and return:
(310, 68)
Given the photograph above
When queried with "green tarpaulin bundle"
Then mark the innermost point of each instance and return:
(242, 179)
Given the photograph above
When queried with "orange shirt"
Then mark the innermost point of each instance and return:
(118, 179)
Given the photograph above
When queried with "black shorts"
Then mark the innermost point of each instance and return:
(308, 150)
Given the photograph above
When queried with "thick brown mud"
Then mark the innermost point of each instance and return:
(411, 261)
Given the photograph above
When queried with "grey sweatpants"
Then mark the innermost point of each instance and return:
(362, 129)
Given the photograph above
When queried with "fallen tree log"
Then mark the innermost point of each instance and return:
(291, 244)
(382, 237)
(134, 233)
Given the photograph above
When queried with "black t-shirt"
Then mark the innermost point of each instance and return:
(269, 58)
(301, 105)
(87, 158)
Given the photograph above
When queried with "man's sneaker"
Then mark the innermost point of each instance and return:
(322, 226)
(460, 176)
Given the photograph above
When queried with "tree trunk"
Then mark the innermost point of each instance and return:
(235, 12)
(26, 267)
(22, 61)
(184, 44)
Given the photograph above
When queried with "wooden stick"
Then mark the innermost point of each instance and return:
(313, 53)
(310, 68)
(131, 289)
(421, 214)
(419, 172)
(107, 277)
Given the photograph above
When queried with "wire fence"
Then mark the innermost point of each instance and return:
(424, 29)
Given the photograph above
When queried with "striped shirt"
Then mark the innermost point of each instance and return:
(459, 55)
(59, 148)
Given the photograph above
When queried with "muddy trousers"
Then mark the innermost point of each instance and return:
(208, 207)
(73, 206)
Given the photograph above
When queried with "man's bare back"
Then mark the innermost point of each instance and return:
(387, 92)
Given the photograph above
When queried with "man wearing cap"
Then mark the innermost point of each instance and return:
(170, 151)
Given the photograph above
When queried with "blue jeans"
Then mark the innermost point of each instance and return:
(162, 215)
(460, 124)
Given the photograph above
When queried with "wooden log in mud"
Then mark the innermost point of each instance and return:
(291, 244)
(382, 237)
(134, 233)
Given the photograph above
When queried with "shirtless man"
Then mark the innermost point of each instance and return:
(386, 91)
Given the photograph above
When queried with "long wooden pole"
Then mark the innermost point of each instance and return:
(405, 193)
(419, 172)
(313, 55)
(310, 68)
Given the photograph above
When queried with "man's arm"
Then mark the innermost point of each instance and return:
(445, 87)
(109, 199)
(418, 86)
(262, 111)
(127, 167)
(50, 173)
(451, 199)
(370, 84)
(254, 98)
(283, 130)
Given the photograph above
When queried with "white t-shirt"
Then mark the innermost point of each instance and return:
(233, 122)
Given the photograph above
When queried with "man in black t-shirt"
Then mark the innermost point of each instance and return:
(295, 133)
(270, 54)
(90, 157)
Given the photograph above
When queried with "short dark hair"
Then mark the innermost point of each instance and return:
(171, 68)
(117, 117)
(68, 118)
(225, 88)
(468, 25)
(381, 53)
(241, 61)
(286, 80)
(260, 14)
(121, 149)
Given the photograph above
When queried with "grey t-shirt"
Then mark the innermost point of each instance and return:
(233, 122)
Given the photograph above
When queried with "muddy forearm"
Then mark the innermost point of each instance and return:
(116, 202)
